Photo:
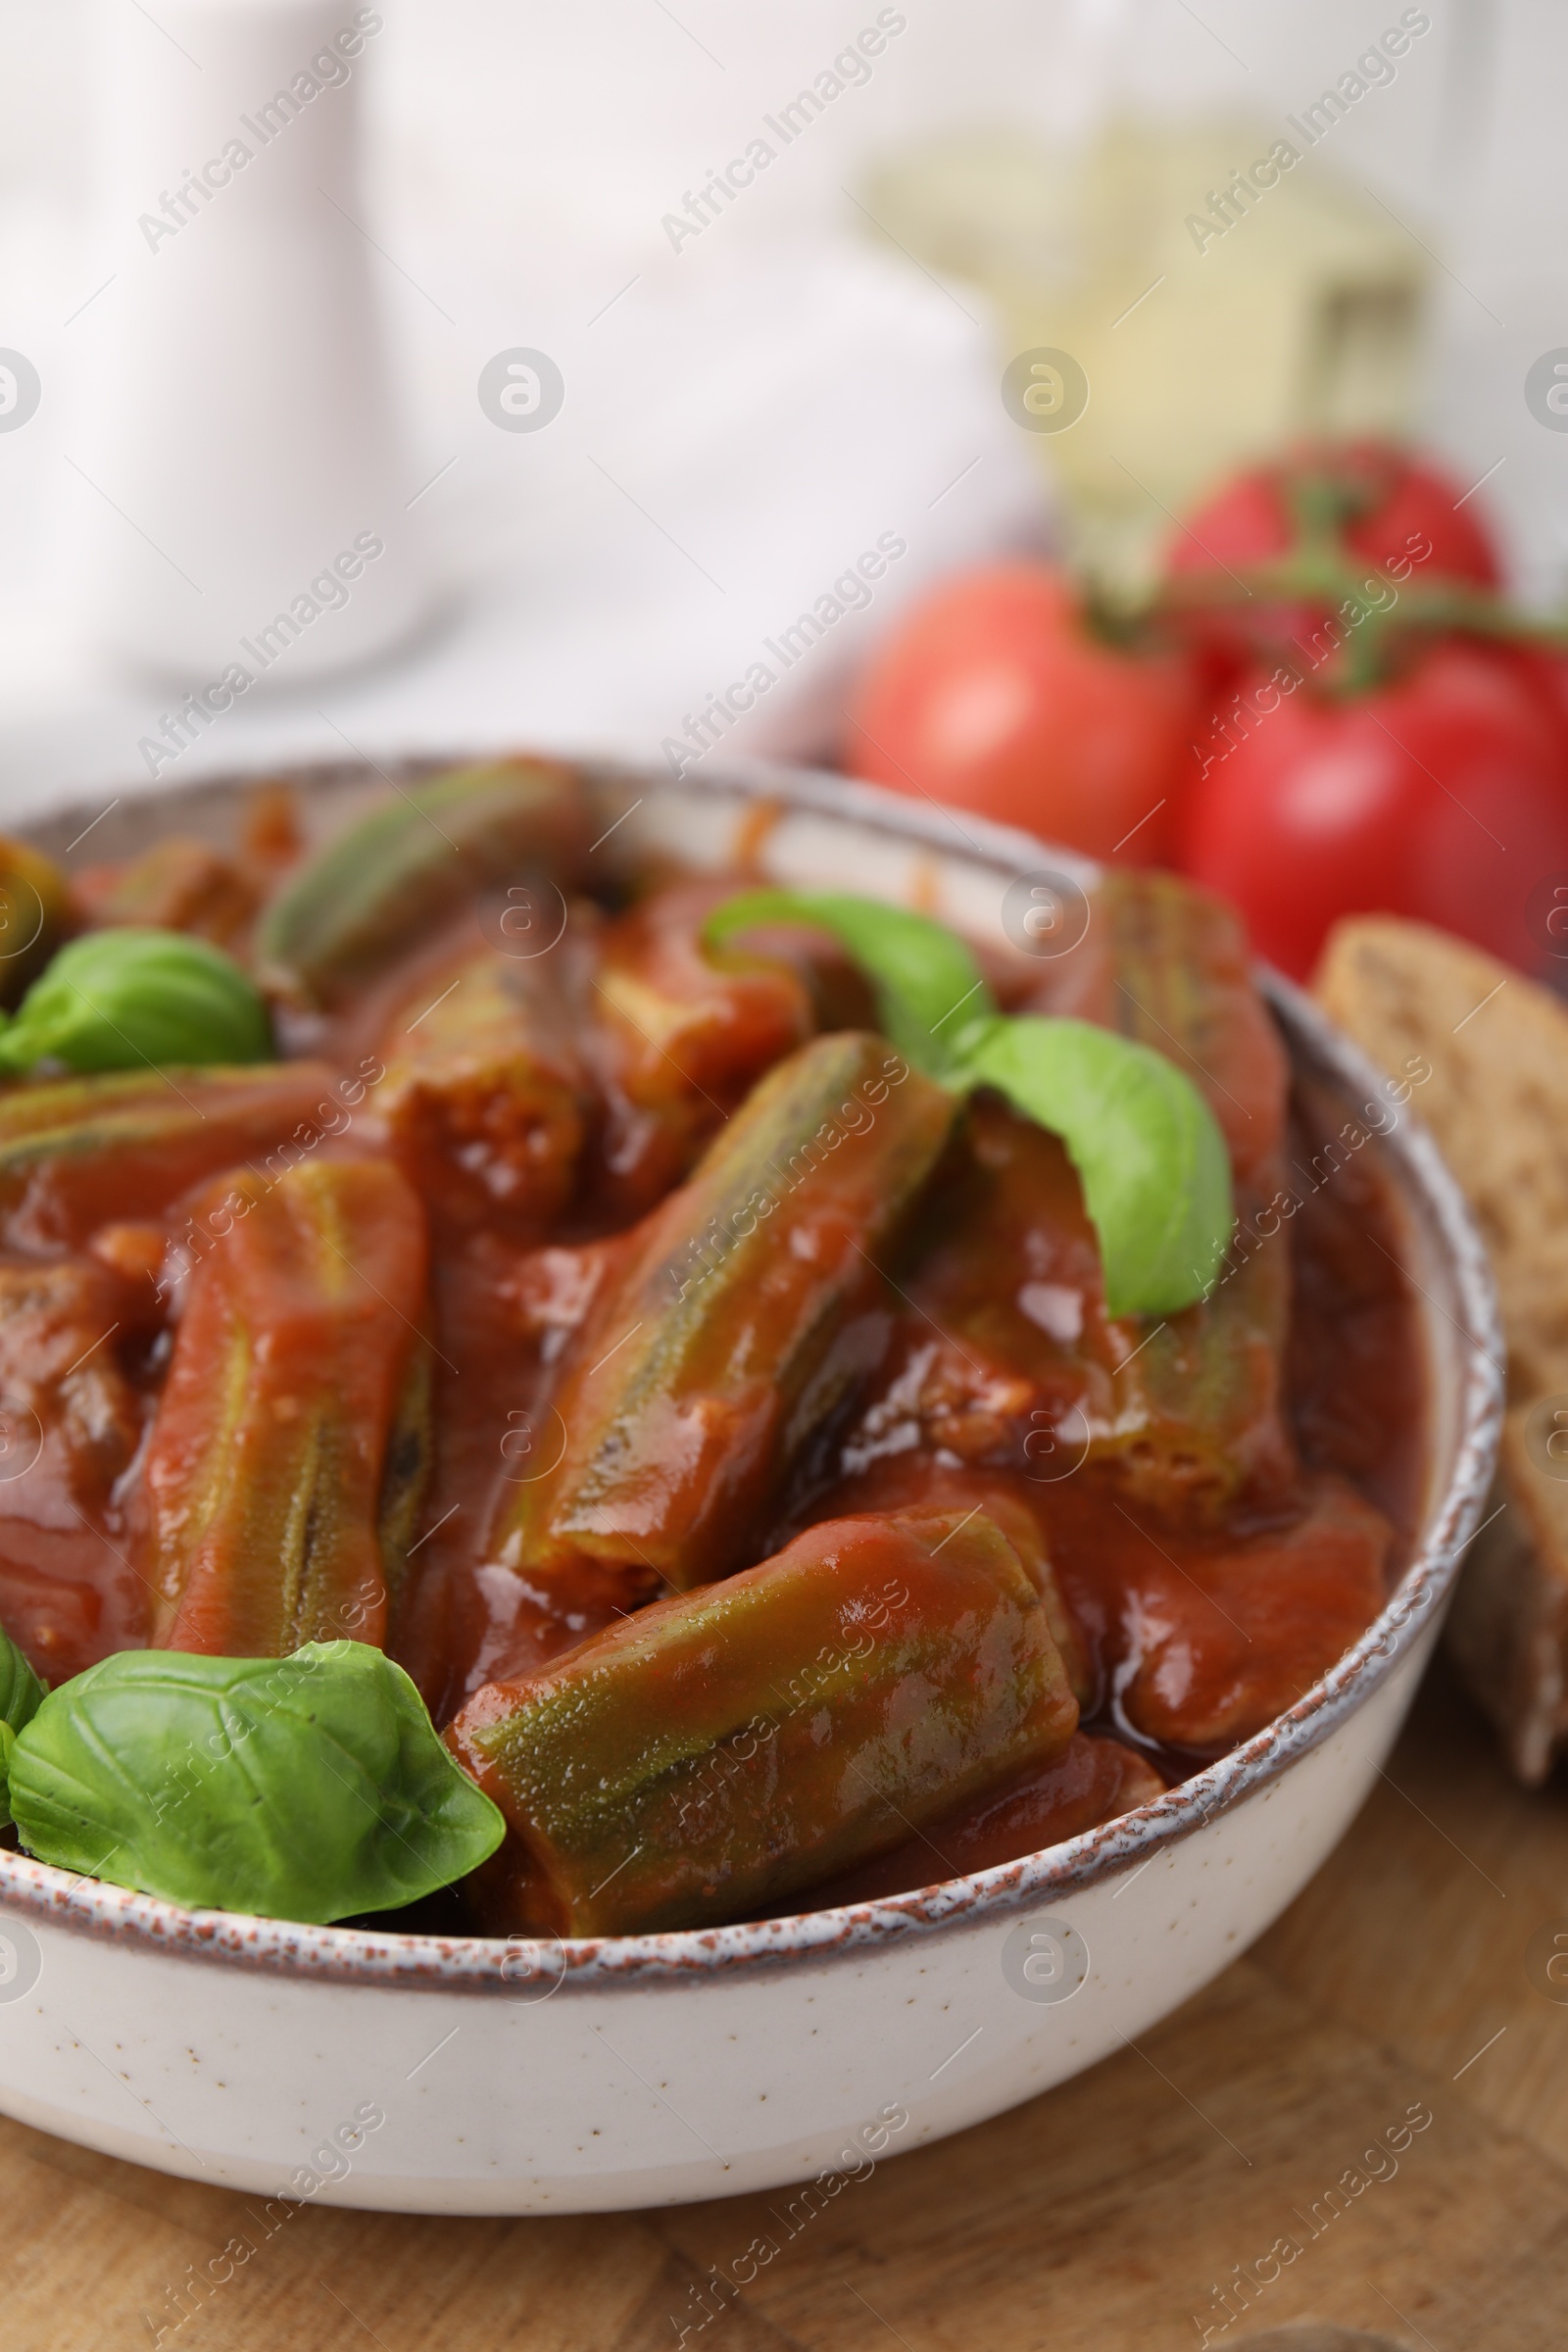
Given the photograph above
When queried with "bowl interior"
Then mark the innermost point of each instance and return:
(802, 828)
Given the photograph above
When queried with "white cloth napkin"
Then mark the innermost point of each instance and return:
(740, 430)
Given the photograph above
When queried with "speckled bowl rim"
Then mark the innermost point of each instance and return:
(482, 1965)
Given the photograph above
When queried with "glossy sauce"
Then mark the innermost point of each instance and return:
(1205, 1586)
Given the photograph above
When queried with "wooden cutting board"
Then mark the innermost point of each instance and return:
(1103, 2216)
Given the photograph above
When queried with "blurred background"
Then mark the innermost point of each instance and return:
(729, 389)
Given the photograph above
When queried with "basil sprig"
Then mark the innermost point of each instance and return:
(929, 990)
(1148, 1149)
(134, 997)
(310, 1787)
(22, 1694)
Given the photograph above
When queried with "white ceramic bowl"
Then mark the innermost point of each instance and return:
(455, 2075)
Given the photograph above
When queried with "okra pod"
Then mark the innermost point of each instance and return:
(1167, 966)
(73, 1422)
(178, 885)
(406, 1472)
(1199, 1408)
(1009, 1359)
(60, 1380)
(705, 1366)
(1200, 1412)
(484, 1094)
(910, 1480)
(1093, 1779)
(282, 1439)
(719, 1749)
(397, 873)
(681, 1034)
(79, 1152)
(1187, 1414)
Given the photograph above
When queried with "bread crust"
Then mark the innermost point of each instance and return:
(1497, 1102)
(1507, 1631)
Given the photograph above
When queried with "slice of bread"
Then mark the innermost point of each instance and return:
(1498, 1104)
(1509, 1628)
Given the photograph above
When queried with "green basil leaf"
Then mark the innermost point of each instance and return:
(1148, 1152)
(310, 1787)
(124, 999)
(22, 1694)
(929, 987)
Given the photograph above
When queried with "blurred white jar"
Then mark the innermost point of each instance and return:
(246, 492)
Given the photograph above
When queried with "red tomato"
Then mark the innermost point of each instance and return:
(994, 694)
(1389, 510)
(1389, 500)
(1440, 795)
(1544, 672)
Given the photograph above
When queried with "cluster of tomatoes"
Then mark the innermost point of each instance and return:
(1326, 707)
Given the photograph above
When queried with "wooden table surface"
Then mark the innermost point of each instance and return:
(1104, 2215)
